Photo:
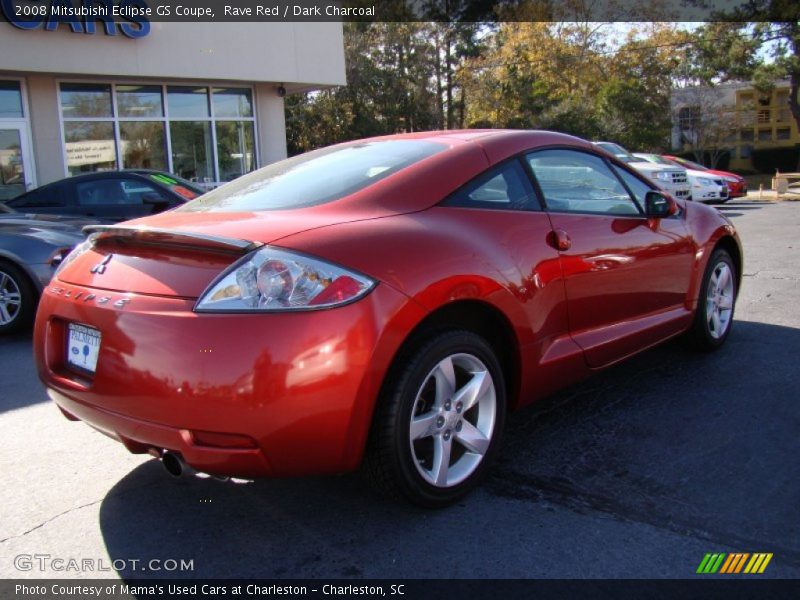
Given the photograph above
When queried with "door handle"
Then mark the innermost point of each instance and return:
(559, 240)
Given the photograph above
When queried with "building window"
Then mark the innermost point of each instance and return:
(765, 135)
(10, 100)
(689, 117)
(782, 133)
(745, 151)
(204, 134)
(763, 115)
(746, 135)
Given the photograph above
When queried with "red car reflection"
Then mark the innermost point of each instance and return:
(378, 304)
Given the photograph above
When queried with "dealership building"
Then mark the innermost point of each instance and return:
(202, 100)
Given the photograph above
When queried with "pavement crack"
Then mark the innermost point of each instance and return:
(51, 519)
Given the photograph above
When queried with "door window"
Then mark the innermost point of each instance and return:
(116, 192)
(579, 182)
(637, 187)
(49, 196)
(506, 187)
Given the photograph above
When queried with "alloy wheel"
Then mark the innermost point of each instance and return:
(10, 299)
(453, 420)
(719, 300)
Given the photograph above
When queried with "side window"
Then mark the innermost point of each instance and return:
(506, 187)
(43, 197)
(138, 190)
(115, 191)
(573, 181)
(638, 187)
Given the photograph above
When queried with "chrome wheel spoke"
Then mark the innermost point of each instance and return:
(445, 377)
(472, 438)
(441, 460)
(423, 426)
(5, 316)
(726, 303)
(471, 394)
(715, 322)
(724, 278)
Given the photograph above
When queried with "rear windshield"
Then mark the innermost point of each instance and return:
(316, 177)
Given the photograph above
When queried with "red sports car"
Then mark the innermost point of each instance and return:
(378, 304)
(737, 185)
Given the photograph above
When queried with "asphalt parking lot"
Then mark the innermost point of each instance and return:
(636, 473)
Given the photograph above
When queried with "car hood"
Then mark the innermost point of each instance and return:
(653, 167)
(58, 230)
(725, 174)
(706, 174)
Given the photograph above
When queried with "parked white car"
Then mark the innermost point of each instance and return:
(705, 186)
(672, 179)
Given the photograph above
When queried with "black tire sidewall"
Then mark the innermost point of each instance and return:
(446, 344)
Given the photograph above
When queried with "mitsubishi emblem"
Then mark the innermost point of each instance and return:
(100, 267)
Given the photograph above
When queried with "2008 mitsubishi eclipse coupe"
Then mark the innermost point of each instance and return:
(378, 304)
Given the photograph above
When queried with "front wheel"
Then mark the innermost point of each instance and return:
(439, 421)
(716, 303)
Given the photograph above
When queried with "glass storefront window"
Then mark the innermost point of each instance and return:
(86, 100)
(192, 150)
(235, 149)
(90, 146)
(139, 101)
(232, 103)
(143, 145)
(162, 127)
(10, 100)
(187, 102)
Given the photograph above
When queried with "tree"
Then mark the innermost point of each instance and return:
(703, 123)
(760, 42)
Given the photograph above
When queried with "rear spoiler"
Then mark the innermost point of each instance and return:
(168, 237)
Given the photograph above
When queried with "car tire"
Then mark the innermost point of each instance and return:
(716, 303)
(17, 299)
(438, 421)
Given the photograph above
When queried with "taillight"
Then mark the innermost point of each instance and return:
(272, 279)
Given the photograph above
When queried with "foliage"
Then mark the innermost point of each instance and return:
(594, 80)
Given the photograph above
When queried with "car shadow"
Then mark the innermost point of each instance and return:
(17, 370)
(695, 444)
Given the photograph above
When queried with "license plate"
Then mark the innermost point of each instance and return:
(83, 348)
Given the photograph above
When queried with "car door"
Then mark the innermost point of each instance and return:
(503, 203)
(626, 276)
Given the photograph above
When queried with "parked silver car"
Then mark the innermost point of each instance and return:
(31, 248)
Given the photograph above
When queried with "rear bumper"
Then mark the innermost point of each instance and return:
(301, 386)
(141, 436)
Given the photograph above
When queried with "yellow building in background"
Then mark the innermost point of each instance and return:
(734, 117)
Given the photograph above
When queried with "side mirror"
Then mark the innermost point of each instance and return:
(658, 206)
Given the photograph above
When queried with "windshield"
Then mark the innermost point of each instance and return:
(617, 151)
(316, 177)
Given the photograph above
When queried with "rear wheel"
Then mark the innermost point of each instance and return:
(17, 299)
(716, 303)
(438, 424)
